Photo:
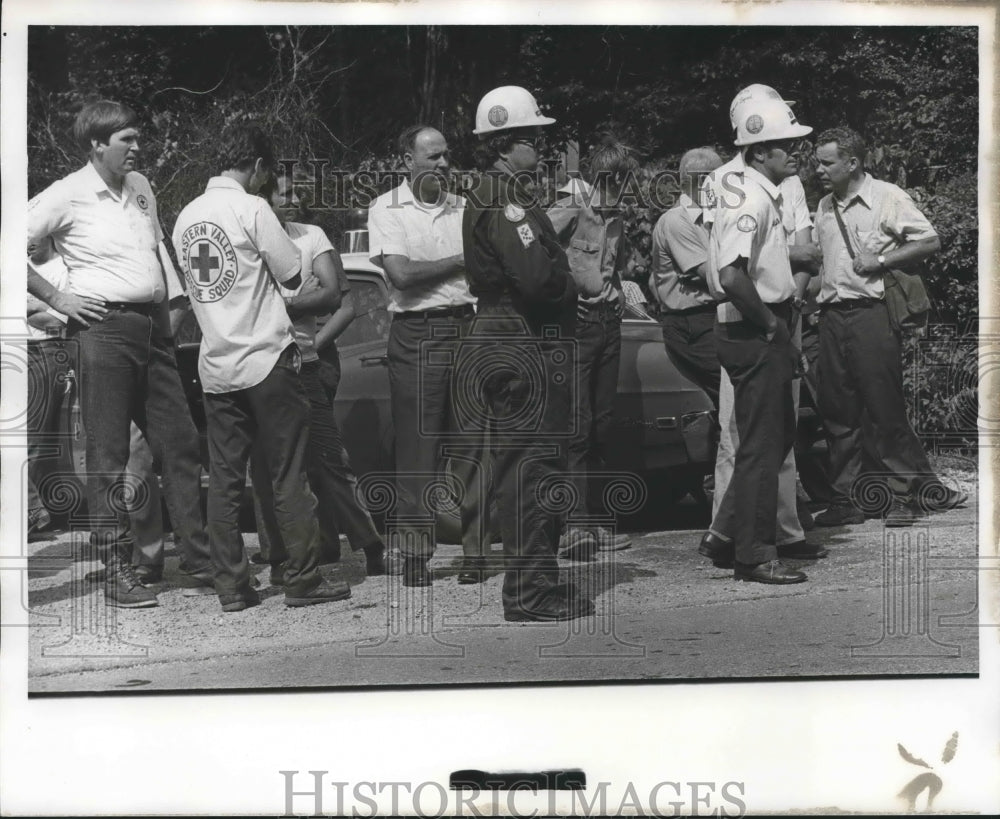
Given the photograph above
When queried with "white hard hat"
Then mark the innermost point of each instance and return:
(766, 120)
(754, 93)
(509, 106)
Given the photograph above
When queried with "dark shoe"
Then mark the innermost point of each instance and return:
(903, 513)
(719, 551)
(123, 589)
(840, 514)
(416, 573)
(325, 592)
(198, 591)
(939, 498)
(239, 602)
(375, 560)
(258, 558)
(801, 550)
(277, 577)
(149, 575)
(38, 519)
(774, 571)
(578, 544)
(559, 609)
(609, 542)
(471, 572)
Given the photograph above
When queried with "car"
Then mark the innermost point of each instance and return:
(662, 422)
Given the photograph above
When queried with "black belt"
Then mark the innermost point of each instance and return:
(144, 307)
(849, 304)
(701, 308)
(461, 311)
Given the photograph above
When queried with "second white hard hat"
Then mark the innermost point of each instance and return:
(754, 93)
(509, 106)
(767, 120)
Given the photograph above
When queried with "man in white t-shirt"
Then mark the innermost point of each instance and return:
(234, 254)
(102, 220)
(415, 235)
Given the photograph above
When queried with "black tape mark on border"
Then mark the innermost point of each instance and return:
(571, 779)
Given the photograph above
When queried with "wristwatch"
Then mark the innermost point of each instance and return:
(881, 260)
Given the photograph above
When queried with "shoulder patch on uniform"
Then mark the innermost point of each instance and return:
(746, 223)
(142, 202)
(513, 213)
(526, 233)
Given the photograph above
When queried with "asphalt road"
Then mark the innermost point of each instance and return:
(885, 602)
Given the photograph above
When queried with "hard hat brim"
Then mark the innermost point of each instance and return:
(793, 132)
(536, 123)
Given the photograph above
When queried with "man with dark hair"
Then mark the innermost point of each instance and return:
(234, 254)
(104, 224)
(866, 228)
(415, 235)
(591, 230)
(527, 302)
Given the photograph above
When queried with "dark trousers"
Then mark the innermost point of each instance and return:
(861, 374)
(598, 354)
(50, 386)
(689, 339)
(275, 413)
(128, 374)
(761, 373)
(328, 469)
(523, 380)
(421, 355)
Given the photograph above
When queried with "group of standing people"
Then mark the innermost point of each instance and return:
(735, 265)
(484, 291)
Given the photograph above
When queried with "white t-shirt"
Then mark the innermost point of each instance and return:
(753, 231)
(399, 225)
(234, 253)
(312, 243)
(108, 242)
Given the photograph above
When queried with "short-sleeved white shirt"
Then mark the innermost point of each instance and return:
(234, 253)
(312, 242)
(108, 242)
(879, 217)
(753, 231)
(722, 188)
(400, 225)
(55, 273)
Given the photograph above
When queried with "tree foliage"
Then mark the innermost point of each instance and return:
(342, 94)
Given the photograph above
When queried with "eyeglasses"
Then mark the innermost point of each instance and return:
(531, 142)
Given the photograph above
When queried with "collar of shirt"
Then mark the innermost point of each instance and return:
(405, 197)
(695, 211)
(100, 186)
(769, 187)
(863, 195)
(224, 182)
(512, 184)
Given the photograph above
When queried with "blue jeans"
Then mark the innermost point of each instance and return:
(128, 374)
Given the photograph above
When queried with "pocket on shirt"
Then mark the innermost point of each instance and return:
(584, 256)
(871, 241)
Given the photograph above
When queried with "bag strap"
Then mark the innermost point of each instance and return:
(842, 226)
